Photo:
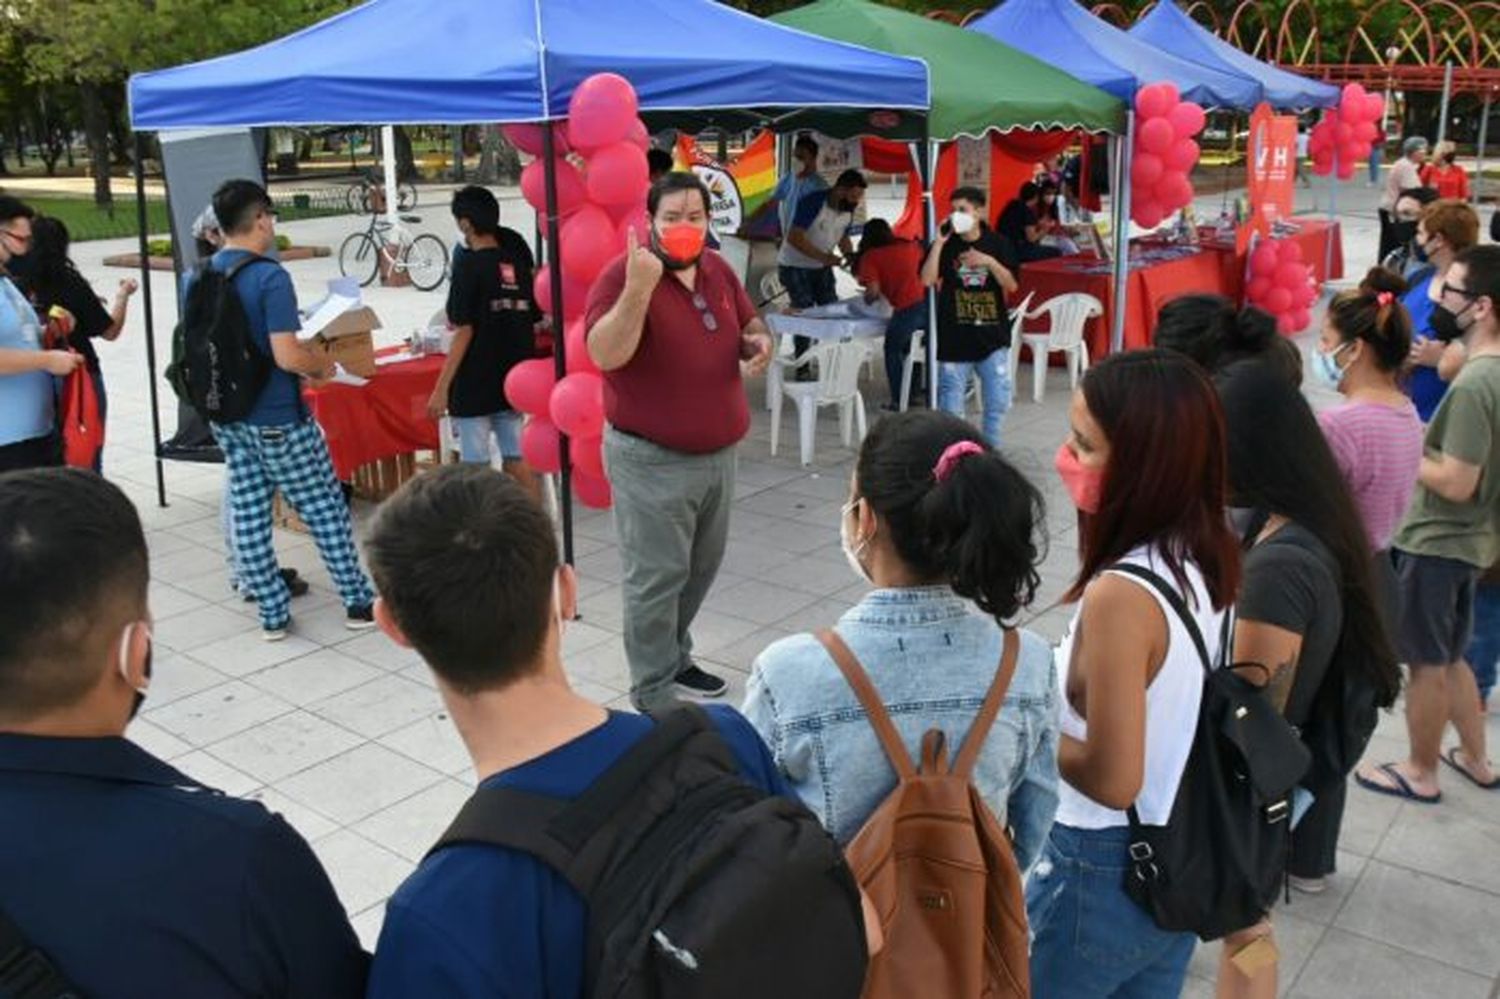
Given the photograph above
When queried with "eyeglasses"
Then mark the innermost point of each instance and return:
(1448, 289)
(710, 321)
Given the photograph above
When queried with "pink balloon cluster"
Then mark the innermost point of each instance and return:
(600, 164)
(1344, 137)
(1281, 283)
(1164, 153)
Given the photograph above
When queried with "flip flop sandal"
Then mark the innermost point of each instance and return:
(1451, 758)
(1398, 788)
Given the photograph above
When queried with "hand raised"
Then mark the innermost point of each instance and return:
(643, 268)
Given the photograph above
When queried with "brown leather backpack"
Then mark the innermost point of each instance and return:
(937, 866)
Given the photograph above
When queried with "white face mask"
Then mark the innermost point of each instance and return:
(962, 222)
(852, 551)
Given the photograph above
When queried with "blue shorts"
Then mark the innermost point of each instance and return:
(474, 436)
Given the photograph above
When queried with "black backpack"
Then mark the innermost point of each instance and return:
(1215, 867)
(25, 971)
(216, 366)
(698, 884)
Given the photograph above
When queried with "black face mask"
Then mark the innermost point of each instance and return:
(1404, 232)
(1444, 322)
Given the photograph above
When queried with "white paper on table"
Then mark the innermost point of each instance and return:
(381, 360)
(343, 377)
(333, 306)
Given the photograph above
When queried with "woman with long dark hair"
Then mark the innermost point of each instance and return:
(54, 280)
(1215, 333)
(1145, 464)
(1308, 609)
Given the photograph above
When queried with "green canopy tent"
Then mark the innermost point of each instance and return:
(978, 85)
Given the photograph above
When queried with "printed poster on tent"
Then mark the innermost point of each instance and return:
(1271, 163)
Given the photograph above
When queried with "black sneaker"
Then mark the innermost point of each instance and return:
(294, 583)
(698, 683)
(360, 618)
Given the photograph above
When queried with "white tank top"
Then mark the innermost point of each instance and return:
(1172, 701)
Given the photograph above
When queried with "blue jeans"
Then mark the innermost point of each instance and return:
(97, 377)
(1484, 649)
(994, 388)
(474, 436)
(805, 288)
(1088, 939)
(898, 334)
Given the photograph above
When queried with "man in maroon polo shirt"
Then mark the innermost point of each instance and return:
(674, 332)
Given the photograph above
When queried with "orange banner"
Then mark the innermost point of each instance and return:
(1271, 163)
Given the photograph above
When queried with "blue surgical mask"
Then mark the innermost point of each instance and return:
(1326, 367)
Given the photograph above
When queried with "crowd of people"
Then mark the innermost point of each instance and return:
(1222, 525)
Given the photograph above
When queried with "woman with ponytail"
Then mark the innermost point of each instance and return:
(948, 533)
(1215, 334)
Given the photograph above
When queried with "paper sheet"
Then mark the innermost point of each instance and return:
(343, 377)
(333, 307)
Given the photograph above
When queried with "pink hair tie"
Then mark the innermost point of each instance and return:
(951, 456)
(1384, 298)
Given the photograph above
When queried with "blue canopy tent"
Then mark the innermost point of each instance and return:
(1064, 34)
(1168, 27)
(691, 62)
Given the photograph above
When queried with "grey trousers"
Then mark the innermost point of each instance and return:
(672, 523)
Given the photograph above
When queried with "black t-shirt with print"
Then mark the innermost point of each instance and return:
(972, 322)
(491, 291)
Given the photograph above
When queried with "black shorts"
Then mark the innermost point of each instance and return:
(1436, 619)
(38, 452)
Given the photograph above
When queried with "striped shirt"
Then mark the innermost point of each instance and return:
(1379, 451)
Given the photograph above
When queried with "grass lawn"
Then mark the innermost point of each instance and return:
(85, 221)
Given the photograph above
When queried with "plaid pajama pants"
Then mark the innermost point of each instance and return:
(293, 459)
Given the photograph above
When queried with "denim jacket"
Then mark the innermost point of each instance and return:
(932, 657)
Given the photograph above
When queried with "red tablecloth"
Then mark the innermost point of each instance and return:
(379, 420)
(1214, 269)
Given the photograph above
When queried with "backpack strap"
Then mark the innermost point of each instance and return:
(1175, 601)
(869, 699)
(25, 972)
(980, 729)
(254, 258)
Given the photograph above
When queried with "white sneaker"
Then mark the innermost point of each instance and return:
(1308, 886)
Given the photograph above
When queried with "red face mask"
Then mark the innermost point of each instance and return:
(680, 245)
(1084, 485)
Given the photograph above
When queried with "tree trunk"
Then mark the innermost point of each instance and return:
(406, 160)
(489, 149)
(20, 137)
(96, 133)
(121, 142)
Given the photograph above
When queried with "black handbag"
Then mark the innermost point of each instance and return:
(1215, 867)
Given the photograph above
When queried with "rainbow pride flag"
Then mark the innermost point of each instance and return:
(755, 171)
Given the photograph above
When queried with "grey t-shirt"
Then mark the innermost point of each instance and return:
(1292, 581)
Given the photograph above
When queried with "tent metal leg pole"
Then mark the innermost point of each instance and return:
(141, 223)
(388, 164)
(1447, 95)
(1122, 234)
(1333, 217)
(926, 164)
(1484, 134)
(559, 341)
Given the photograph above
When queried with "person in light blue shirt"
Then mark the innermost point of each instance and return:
(28, 429)
(948, 533)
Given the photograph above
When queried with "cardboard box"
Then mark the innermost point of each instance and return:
(345, 334)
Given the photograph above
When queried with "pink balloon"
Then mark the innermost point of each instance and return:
(1304, 294)
(1346, 169)
(1278, 301)
(618, 175)
(1286, 324)
(1291, 250)
(1290, 274)
(1256, 290)
(591, 492)
(1187, 119)
(1174, 191)
(1182, 156)
(1365, 132)
(1323, 163)
(528, 138)
(638, 135)
(1146, 170)
(576, 341)
(601, 111)
(575, 298)
(571, 191)
(587, 454)
(1264, 259)
(1147, 214)
(638, 220)
(1354, 102)
(1156, 100)
(1343, 133)
(529, 385)
(1301, 317)
(577, 405)
(588, 243)
(1156, 136)
(541, 445)
(1374, 107)
(541, 288)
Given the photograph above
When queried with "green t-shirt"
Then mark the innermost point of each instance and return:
(1467, 427)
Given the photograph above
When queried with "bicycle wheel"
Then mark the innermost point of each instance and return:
(359, 258)
(406, 197)
(427, 261)
(355, 197)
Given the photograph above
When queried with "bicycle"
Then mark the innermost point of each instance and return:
(366, 195)
(424, 257)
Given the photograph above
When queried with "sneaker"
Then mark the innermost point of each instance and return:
(294, 583)
(1308, 886)
(361, 618)
(697, 683)
(275, 633)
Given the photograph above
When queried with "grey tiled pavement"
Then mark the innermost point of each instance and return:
(346, 737)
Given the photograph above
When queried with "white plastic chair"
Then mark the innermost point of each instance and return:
(1069, 313)
(917, 355)
(837, 385)
(1017, 320)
